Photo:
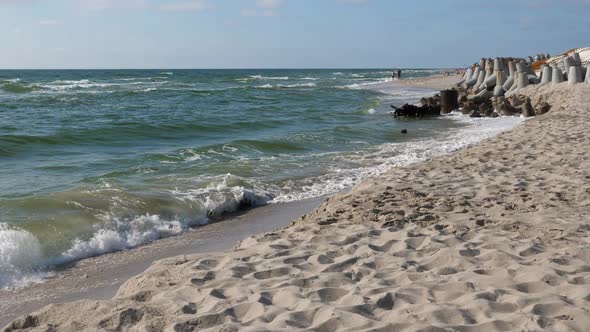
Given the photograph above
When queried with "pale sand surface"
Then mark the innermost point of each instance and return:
(495, 237)
(436, 82)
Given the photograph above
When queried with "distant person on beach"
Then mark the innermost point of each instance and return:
(393, 74)
(399, 73)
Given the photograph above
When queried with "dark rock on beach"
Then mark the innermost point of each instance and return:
(408, 110)
(543, 108)
(449, 101)
(527, 109)
(475, 114)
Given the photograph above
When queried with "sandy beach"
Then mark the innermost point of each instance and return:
(435, 82)
(494, 237)
(99, 278)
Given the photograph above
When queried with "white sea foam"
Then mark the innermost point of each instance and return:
(286, 86)
(366, 85)
(20, 255)
(391, 155)
(119, 234)
(260, 77)
(63, 85)
(265, 86)
(301, 85)
(224, 195)
(229, 148)
(22, 261)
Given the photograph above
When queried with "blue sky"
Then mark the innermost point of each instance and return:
(283, 33)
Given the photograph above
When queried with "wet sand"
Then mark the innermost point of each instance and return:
(98, 278)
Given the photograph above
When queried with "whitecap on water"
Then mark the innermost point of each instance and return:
(390, 155)
(265, 86)
(286, 86)
(119, 234)
(260, 77)
(20, 257)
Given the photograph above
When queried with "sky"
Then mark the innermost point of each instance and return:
(60, 34)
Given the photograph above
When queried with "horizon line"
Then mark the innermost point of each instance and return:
(276, 68)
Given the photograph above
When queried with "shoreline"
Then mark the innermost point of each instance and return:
(80, 279)
(99, 277)
(434, 240)
(110, 227)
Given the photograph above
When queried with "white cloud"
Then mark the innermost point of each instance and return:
(264, 8)
(353, 1)
(100, 5)
(269, 4)
(186, 6)
(259, 13)
(90, 6)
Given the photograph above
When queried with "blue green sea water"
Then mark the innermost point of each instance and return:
(94, 161)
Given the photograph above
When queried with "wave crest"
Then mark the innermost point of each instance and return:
(287, 86)
(20, 254)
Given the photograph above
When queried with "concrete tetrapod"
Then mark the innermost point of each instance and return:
(500, 80)
(489, 71)
(471, 82)
(508, 84)
(575, 75)
(546, 74)
(566, 65)
(481, 77)
(556, 76)
(511, 68)
(515, 84)
(490, 81)
(465, 77)
(576, 61)
(523, 80)
(480, 80)
(498, 65)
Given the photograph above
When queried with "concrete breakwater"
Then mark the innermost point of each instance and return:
(494, 87)
(491, 87)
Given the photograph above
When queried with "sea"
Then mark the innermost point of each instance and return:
(96, 161)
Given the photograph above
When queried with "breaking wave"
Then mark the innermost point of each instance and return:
(23, 261)
(287, 86)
